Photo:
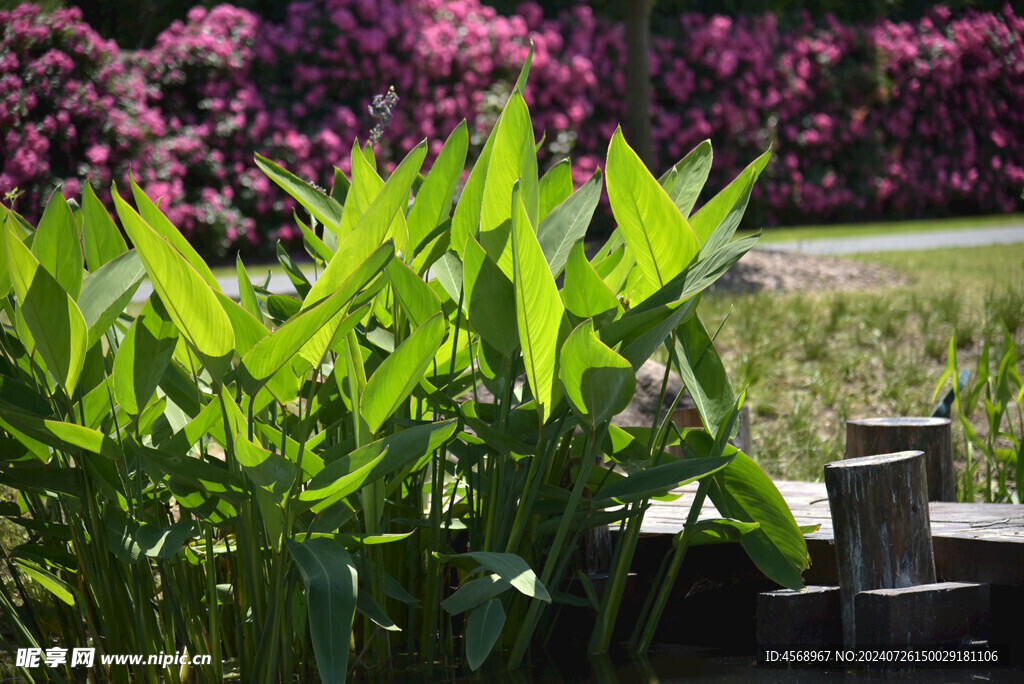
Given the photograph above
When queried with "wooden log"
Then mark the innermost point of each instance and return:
(883, 537)
(941, 615)
(799, 619)
(933, 436)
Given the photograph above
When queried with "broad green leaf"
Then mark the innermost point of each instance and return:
(400, 372)
(598, 382)
(449, 272)
(434, 199)
(152, 215)
(524, 73)
(383, 457)
(371, 609)
(246, 293)
(339, 191)
(131, 540)
(273, 352)
(57, 245)
(474, 593)
(555, 187)
(60, 435)
(246, 328)
(684, 181)
(55, 321)
(540, 316)
(483, 627)
(660, 238)
(584, 294)
(315, 247)
(143, 356)
(188, 299)
(326, 210)
(567, 223)
(417, 299)
(331, 593)
(743, 491)
(512, 159)
(717, 531)
(369, 232)
(730, 203)
(638, 348)
(658, 479)
(101, 238)
(490, 299)
(509, 567)
(107, 291)
(703, 374)
(292, 270)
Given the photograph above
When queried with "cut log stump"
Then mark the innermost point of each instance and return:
(933, 436)
(879, 508)
(799, 619)
(941, 615)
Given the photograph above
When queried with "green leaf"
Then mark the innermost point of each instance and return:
(246, 293)
(449, 272)
(273, 352)
(52, 317)
(729, 204)
(58, 246)
(684, 181)
(703, 374)
(512, 159)
(152, 215)
(315, 247)
(400, 372)
(567, 223)
(188, 299)
(46, 579)
(331, 594)
(717, 531)
(246, 328)
(100, 235)
(143, 356)
(490, 299)
(524, 73)
(555, 187)
(417, 299)
(326, 210)
(107, 291)
(482, 631)
(370, 230)
(659, 237)
(371, 609)
(60, 435)
(509, 567)
(294, 273)
(657, 480)
(540, 316)
(474, 593)
(434, 199)
(131, 540)
(743, 491)
(584, 293)
(598, 382)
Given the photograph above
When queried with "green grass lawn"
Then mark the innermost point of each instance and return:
(812, 360)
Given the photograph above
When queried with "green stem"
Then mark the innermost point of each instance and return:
(550, 565)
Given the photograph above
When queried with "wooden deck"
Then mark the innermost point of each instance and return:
(972, 542)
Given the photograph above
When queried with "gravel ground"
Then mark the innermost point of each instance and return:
(772, 270)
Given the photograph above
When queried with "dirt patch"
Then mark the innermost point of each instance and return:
(771, 270)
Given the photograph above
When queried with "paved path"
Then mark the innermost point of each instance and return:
(971, 237)
(899, 242)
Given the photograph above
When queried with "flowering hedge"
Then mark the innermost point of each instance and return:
(867, 121)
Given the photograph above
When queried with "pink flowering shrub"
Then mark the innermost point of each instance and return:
(885, 120)
(70, 107)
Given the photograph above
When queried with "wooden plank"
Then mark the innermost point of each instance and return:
(973, 542)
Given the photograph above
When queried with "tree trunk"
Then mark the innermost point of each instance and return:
(638, 80)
